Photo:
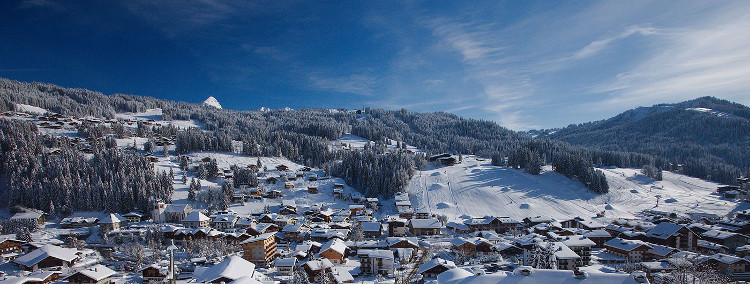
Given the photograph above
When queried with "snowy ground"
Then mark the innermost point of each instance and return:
(30, 109)
(156, 115)
(354, 142)
(476, 188)
(225, 160)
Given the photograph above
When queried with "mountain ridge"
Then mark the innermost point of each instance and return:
(705, 129)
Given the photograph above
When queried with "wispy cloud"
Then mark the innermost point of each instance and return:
(601, 44)
(708, 59)
(502, 89)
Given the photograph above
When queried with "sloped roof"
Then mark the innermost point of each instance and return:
(627, 245)
(664, 230)
(38, 276)
(597, 234)
(195, 216)
(716, 234)
(723, 258)
(380, 253)
(34, 257)
(26, 215)
(176, 208)
(245, 280)
(546, 276)
(112, 218)
(287, 261)
(233, 268)
(394, 240)
(661, 250)
(296, 227)
(259, 238)
(425, 223)
(319, 264)
(97, 272)
(335, 245)
(456, 225)
(371, 226)
(436, 262)
(578, 241)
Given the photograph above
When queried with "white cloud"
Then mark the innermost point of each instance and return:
(503, 91)
(708, 59)
(600, 44)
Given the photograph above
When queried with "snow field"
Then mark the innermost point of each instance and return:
(476, 188)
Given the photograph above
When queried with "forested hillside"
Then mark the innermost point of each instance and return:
(709, 136)
(303, 136)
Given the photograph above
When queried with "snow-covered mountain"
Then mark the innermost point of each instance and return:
(211, 101)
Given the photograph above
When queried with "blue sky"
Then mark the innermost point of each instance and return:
(524, 64)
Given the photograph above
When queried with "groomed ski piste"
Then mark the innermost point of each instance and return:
(475, 188)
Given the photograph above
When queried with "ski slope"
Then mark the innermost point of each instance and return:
(476, 188)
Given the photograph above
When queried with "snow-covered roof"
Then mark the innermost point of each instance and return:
(245, 280)
(34, 257)
(342, 275)
(176, 208)
(335, 245)
(716, 234)
(394, 240)
(296, 227)
(597, 234)
(561, 251)
(195, 216)
(425, 223)
(226, 218)
(743, 248)
(371, 226)
(709, 245)
(232, 268)
(403, 203)
(436, 262)
(501, 246)
(97, 272)
(723, 258)
(664, 230)
(661, 250)
(26, 215)
(112, 218)
(40, 276)
(457, 226)
(536, 276)
(578, 241)
(627, 245)
(286, 261)
(133, 214)
(259, 238)
(454, 275)
(319, 264)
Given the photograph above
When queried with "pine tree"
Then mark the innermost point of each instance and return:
(192, 190)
